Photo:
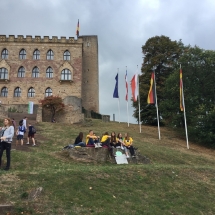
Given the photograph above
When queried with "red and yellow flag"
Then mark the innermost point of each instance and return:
(151, 95)
(181, 92)
(77, 29)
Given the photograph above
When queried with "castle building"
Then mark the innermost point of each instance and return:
(34, 68)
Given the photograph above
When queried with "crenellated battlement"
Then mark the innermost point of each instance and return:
(38, 39)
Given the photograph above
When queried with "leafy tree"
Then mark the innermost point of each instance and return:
(52, 103)
(198, 80)
(160, 54)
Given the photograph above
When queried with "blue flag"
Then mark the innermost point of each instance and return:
(115, 93)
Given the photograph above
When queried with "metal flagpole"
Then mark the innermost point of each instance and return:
(138, 84)
(156, 103)
(118, 98)
(185, 121)
(127, 93)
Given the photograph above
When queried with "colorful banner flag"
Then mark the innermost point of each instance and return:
(116, 93)
(30, 107)
(134, 88)
(77, 29)
(151, 95)
(181, 92)
(126, 86)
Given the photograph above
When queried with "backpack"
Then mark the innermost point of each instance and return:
(33, 130)
(22, 128)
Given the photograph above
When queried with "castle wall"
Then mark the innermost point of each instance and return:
(90, 83)
(40, 84)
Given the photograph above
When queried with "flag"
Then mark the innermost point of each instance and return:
(151, 95)
(181, 92)
(126, 86)
(134, 89)
(77, 29)
(116, 93)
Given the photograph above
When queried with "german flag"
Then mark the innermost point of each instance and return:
(181, 92)
(77, 29)
(151, 95)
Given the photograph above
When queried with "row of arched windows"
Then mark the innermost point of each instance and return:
(17, 92)
(65, 73)
(36, 54)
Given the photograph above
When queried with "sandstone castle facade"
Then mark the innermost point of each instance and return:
(33, 68)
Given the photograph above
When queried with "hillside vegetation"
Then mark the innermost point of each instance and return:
(178, 180)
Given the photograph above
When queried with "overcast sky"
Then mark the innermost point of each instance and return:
(122, 26)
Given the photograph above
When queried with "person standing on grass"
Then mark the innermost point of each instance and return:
(128, 141)
(13, 123)
(20, 133)
(25, 122)
(31, 133)
(79, 140)
(7, 133)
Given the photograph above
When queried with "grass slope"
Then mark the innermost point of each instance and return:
(178, 181)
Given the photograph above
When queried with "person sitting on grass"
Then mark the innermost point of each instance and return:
(120, 139)
(20, 133)
(128, 141)
(79, 140)
(92, 140)
(31, 133)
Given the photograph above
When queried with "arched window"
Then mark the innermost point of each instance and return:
(4, 92)
(31, 92)
(49, 72)
(22, 54)
(66, 55)
(17, 92)
(3, 73)
(50, 55)
(21, 72)
(65, 74)
(4, 54)
(48, 92)
(36, 55)
(35, 72)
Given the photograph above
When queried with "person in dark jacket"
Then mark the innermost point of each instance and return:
(31, 134)
(79, 140)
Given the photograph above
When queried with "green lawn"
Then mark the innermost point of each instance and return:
(178, 181)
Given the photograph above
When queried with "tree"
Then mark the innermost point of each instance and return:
(160, 54)
(198, 80)
(54, 104)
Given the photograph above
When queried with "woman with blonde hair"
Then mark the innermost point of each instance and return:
(128, 141)
(6, 138)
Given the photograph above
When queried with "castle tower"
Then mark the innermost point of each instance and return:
(90, 74)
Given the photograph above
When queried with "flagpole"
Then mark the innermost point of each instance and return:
(127, 94)
(138, 78)
(156, 103)
(185, 121)
(118, 100)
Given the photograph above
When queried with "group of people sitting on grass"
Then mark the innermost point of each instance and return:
(107, 141)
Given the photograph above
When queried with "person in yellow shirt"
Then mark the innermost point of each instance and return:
(91, 139)
(128, 141)
(105, 141)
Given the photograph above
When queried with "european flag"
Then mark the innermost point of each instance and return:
(116, 93)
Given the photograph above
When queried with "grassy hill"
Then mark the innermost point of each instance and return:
(178, 180)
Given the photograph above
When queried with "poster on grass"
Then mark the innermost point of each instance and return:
(30, 107)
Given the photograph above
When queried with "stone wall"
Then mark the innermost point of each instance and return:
(90, 87)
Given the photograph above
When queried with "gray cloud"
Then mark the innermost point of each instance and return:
(122, 26)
